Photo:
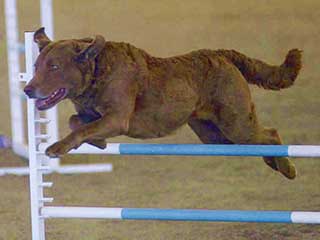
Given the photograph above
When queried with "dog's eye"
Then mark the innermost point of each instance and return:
(54, 67)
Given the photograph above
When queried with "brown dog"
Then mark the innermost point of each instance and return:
(118, 89)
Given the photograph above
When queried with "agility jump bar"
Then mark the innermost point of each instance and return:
(201, 150)
(182, 215)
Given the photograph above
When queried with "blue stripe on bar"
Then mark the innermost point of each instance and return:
(204, 149)
(206, 215)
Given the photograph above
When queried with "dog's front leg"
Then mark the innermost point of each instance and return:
(120, 97)
(106, 127)
(76, 121)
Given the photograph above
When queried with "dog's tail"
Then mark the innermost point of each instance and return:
(263, 74)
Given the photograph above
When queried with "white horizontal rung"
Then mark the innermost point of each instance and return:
(64, 169)
(42, 120)
(47, 200)
(46, 184)
(43, 136)
(84, 168)
(44, 168)
(19, 171)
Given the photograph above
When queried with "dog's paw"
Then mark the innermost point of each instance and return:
(56, 150)
(99, 143)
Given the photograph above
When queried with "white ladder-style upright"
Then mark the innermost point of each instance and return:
(37, 163)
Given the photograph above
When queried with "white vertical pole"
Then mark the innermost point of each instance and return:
(17, 120)
(35, 164)
(52, 114)
(47, 17)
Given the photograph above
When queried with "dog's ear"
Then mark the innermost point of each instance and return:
(92, 50)
(41, 38)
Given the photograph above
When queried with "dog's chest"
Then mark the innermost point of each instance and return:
(86, 109)
(89, 115)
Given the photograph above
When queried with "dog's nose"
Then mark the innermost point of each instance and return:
(29, 91)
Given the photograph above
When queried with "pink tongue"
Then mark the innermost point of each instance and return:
(53, 99)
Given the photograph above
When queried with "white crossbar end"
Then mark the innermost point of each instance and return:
(306, 217)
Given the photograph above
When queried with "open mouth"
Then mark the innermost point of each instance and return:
(53, 99)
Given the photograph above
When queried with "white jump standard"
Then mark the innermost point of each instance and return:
(38, 165)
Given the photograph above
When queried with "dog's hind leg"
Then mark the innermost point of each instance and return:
(75, 122)
(207, 131)
(271, 136)
(244, 129)
(234, 115)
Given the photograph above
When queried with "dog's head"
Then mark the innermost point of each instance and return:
(62, 68)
